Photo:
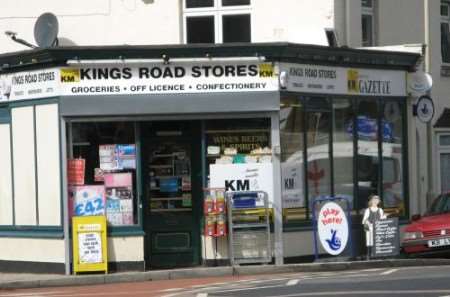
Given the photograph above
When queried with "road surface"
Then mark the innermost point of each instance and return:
(408, 281)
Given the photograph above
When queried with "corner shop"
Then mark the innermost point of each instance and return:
(49, 114)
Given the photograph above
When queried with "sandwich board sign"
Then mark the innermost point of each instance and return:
(90, 251)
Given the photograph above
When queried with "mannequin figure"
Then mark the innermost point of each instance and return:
(371, 214)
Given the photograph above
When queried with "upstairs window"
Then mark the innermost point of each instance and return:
(445, 31)
(217, 21)
(368, 22)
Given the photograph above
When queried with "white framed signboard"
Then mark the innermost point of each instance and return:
(344, 81)
(243, 177)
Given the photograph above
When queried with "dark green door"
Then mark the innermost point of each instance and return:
(172, 203)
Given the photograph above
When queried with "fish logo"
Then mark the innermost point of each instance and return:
(334, 242)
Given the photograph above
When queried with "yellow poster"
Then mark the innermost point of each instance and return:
(90, 251)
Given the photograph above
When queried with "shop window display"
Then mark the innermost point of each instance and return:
(368, 162)
(239, 157)
(330, 129)
(238, 141)
(318, 128)
(343, 148)
(292, 159)
(392, 151)
(104, 155)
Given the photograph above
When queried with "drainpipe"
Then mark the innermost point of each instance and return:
(347, 24)
(427, 58)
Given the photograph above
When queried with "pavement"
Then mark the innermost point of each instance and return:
(23, 281)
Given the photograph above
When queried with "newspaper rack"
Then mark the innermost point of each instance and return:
(249, 233)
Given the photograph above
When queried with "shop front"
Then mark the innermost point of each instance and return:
(148, 141)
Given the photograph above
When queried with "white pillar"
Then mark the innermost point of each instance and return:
(277, 203)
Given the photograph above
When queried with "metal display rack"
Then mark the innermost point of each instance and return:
(249, 231)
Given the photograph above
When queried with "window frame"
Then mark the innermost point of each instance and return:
(217, 11)
(441, 149)
(371, 12)
(445, 19)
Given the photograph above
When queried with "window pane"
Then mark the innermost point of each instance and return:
(444, 9)
(368, 163)
(200, 29)
(292, 164)
(343, 148)
(366, 3)
(445, 42)
(318, 140)
(445, 172)
(199, 3)
(236, 28)
(393, 193)
(444, 140)
(235, 2)
(110, 146)
(367, 30)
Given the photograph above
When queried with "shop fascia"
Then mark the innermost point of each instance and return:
(97, 77)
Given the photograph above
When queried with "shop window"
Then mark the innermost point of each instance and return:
(332, 128)
(318, 130)
(238, 141)
(217, 21)
(292, 159)
(239, 157)
(368, 166)
(445, 31)
(102, 171)
(392, 153)
(343, 152)
(368, 22)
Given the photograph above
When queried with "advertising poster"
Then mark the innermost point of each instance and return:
(108, 160)
(126, 156)
(243, 177)
(87, 200)
(76, 171)
(332, 228)
(119, 198)
(292, 185)
(90, 248)
(117, 157)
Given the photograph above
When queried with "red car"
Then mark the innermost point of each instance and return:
(432, 231)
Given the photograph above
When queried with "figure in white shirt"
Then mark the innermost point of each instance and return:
(371, 214)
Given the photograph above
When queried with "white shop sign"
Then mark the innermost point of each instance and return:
(145, 78)
(344, 81)
(98, 79)
(243, 177)
(292, 185)
(37, 84)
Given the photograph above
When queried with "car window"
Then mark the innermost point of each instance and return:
(440, 205)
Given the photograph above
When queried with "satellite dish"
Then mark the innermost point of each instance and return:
(46, 30)
(419, 82)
